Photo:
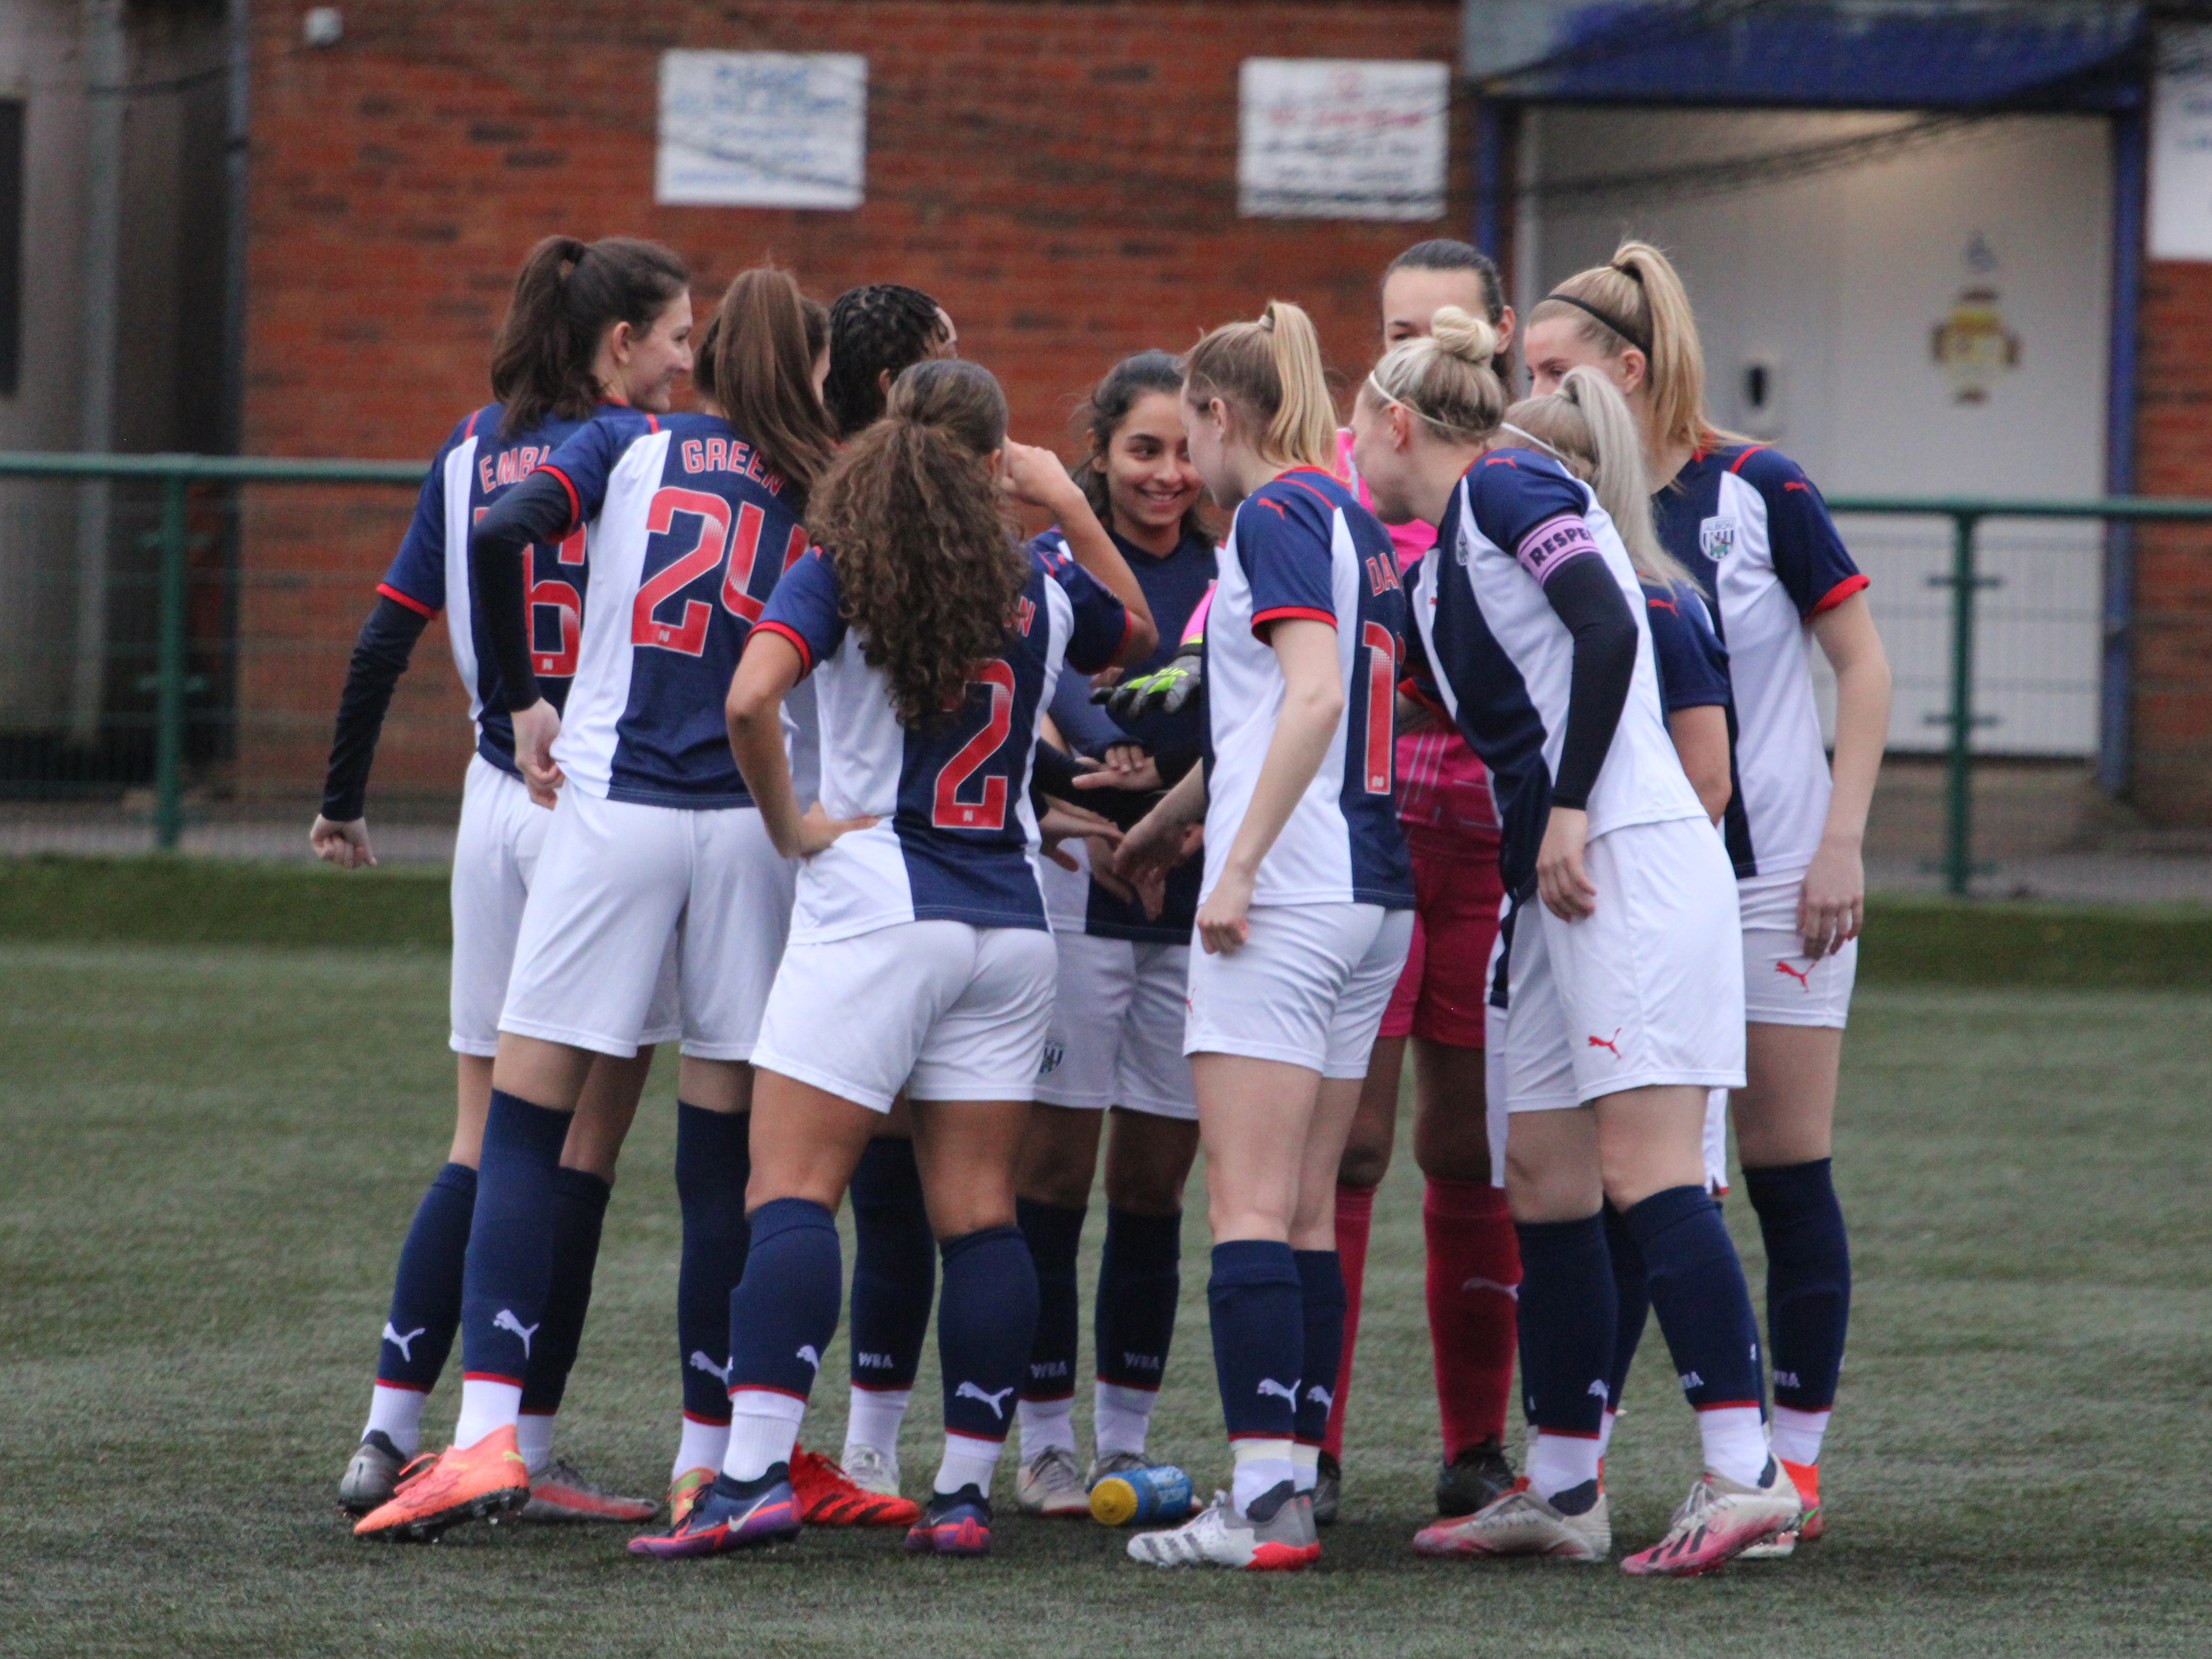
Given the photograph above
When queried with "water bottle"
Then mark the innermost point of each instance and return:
(1161, 1492)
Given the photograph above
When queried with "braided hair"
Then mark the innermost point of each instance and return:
(883, 327)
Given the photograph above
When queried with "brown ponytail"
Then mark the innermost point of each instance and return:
(1636, 299)
(567, 295)
(754, 368)
(1269, 374)
(911, 515)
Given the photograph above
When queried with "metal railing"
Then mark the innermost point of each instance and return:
(171, 539)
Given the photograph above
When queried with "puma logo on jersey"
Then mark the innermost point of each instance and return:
(720, 1373)
(1653, 601)
(1795, 484)
(1610, 1043)
(400, 1342)
(504, 1319)
(813, 1359)
(1318, 1395)
(1479, 1283)
(1804, 978)
(970, 1391)
(1269, 1385)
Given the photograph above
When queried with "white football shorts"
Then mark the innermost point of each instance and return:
(1782, 986)
(495, 857)
(1308, 986)
(946, 1011)
(1117, 1027)
(1646, 990)
(622, 889)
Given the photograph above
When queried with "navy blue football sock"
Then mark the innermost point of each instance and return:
(1139, 1282)
(509, 1264)
(784, 1310)
(985, 1329)
(426, 1291)
(579, 1208)
(1259, 1337)
(713, 1164)
(1808, 1280)
(1698, 1294)
(894, 1266)
(1053, 1234)
(1631, 1299)
(1566, 1320)
(1320, 1286)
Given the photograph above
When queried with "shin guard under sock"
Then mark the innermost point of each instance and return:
(1808, 1282)
(1053, 1234)
(1704, 1313)
(1474, 1285)
(509, 1263)
(986, 1326)
(1355, 1215)
(1631, 1298)
(579, 1211)
(1258, 1308)
(713, 1164)
(1140, 1280)
(1566, 1321)
(1321, 1306)
(894, 1267)
(784, 1310)
(426, 1291)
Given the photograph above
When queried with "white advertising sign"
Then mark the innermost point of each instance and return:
(2181, 147)
(762, 129)
(1342, 138)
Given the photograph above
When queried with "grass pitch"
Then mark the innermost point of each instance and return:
(212, 1154)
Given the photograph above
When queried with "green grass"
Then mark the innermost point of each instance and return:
(212, 1155)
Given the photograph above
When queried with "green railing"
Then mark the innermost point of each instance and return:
(175, 473)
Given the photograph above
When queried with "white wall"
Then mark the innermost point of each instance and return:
(1841, 277)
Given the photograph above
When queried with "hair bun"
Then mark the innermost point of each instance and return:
(1470, 339)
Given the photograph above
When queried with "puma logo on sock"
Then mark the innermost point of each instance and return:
(504, 1319)
(720, 1373)
(970, 1391)
(401, 1342)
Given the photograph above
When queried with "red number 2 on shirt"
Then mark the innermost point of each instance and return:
(950, 813)
(1382, 703)
(712, 540)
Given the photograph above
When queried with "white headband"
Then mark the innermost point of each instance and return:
(1553, 450)
(1387, 396)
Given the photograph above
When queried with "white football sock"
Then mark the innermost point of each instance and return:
(763, 1428)
(699, 1446)
(1797, 1435)
(1120, 1417)
(873, 1418)
(533, 1438)
(1735, 1442)
(398, 1414)
(1305, 1467)
(1262, 1466)
(968, 1462)
(1046, 1424)
(1560, 1462)
(486, 1406)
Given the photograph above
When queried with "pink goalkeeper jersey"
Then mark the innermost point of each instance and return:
(1442, 784)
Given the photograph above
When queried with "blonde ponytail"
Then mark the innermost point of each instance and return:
(1445, 377)
(1269, 373)
(1586, 425)
(1636, 299)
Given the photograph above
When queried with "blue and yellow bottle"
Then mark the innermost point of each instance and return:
(1159, 1493)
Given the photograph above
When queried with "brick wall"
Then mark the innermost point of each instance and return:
(2173, 703)
(1062, 176)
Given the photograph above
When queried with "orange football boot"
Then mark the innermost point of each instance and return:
(1806, 1477)
(480, 1483)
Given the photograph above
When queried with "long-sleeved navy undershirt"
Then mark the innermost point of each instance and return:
(380, 653)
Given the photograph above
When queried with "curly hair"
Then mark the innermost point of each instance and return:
(926, 561)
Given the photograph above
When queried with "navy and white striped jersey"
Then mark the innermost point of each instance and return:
(1686, 647)
(689, 534)
(1503, 659)
(1302, 546)
(957, 838)
(1750, 525)
(430, 573)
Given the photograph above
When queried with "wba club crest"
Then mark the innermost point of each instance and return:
(1716, 538)
(1053, 1054)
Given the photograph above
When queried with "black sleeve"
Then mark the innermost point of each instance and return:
(1585, 596)
(380, 651)
(536, 510)
(1174, 760)
(1053, 773)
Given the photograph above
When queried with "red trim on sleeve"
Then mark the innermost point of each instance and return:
(408, 599)
(576, 502)
(1282, 612)
(652, 423)
(1736, 465)
(470, 431)
(798, 644)
(1836, 595)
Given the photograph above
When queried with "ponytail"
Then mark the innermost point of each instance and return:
(1636, 299)
(1585, 426)
(926, 561)
(1269, 374)
(567, 295)
(1445, 378)
(754, 368)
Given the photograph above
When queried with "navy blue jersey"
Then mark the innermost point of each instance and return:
(1750, 527)
(1172, 588)
(1693, 661)
(1301, 546)
(957, 838)
(474, 467)
(689, 534)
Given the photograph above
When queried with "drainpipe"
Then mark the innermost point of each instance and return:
(108, 74)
